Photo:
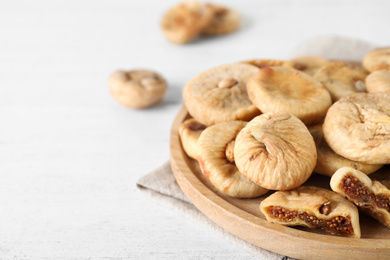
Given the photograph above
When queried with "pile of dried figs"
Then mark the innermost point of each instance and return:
(263, 127)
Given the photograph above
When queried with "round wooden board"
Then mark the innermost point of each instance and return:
(243, 218)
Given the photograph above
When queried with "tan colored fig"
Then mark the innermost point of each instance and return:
(276, 151)
(328, 162)
(225, 20)
(378, 81)
(377, 59)
(357, 127)
(308, 64)
(313, 207)
(137, 88)
(357, 66)
(262, 63)
(185, 21)
(289, 90)
(340, 80)
(216, 159)
(189, 132)
(370, 196)
(219, 94)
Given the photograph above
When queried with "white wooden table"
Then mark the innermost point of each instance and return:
(70, 155)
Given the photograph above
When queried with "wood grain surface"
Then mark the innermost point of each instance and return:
(243, 218)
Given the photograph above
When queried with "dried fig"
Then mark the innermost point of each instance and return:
(185, 21)
(377, 59)
(189, 132)
(357, 127)
(357, 66)
(308, 64)
(313, 207)
(286, 89)
(261, 63)
(370, 196)
(225, 20)
(216, 159)
(137, 88)
(276, 151)
(340, 80)
(328, 162)
(378, 81)
(219, 94)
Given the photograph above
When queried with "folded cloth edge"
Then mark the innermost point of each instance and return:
(187, 209)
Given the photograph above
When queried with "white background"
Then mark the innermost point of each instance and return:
(70, 155)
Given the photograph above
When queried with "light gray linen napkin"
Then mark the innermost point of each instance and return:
(161, 185)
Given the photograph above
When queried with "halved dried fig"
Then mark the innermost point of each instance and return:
(340, 80)
(276, 151)
(370, 196)
(358, 127)
(377, 59)
(216, 159)
(286, 89)
(189, 132)
(328, 162)
(378, 81)
(219, 94)
(225, 20)
(308, 64)
(137, 88)
(185, 21)
(313, 207)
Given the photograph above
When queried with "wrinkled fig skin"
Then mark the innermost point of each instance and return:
(313, 207)
(189, 132)
(340, 80)
(357, 127)
(370, 196)
(137, 88)
(328, 162)
(217, 161)
(219, 94)
(285, 89)
(276, 151)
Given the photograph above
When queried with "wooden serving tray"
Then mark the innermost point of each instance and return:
(243, 218)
